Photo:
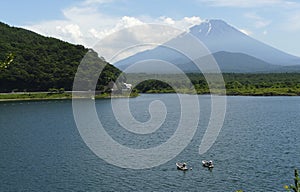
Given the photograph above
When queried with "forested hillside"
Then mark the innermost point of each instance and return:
(41, 63)
(236, 83)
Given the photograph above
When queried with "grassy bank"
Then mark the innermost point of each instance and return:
(54, 96)
(235, 92)
(34, 96)
(277, 84)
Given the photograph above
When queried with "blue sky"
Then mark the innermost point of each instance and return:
(275, 22)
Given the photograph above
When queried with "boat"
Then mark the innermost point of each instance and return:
(181, 166)
(208, 164)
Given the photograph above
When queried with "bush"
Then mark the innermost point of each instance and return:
(296, 187)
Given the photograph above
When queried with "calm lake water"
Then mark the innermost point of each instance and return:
(256, 150)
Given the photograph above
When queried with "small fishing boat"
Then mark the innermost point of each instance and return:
(208, 164)
(181, 166)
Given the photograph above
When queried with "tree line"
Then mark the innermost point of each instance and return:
(235, 83)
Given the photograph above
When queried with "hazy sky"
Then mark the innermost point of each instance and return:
(275, 22)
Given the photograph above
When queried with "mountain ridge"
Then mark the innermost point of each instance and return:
(237, 41)
(41, 63)
(218, 36)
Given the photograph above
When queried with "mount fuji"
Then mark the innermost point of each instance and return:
(233, 51)
(217, 35)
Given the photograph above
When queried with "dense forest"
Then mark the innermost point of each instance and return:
(42, 63)
(236, 84)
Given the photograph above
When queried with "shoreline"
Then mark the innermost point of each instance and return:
(106, 96)
(46, 96)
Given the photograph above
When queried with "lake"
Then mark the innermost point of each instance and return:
(257, 148)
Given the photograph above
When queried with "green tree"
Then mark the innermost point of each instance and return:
(8, 60)
(296, 187)
(42, 62)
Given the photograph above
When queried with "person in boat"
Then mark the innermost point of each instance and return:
(183, 165)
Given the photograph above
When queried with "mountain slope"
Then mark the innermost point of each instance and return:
(235, 63)
(227, 62)
(217, 35)
(42, 63)
(234, 51)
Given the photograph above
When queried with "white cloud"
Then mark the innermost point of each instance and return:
(292, 23)
(259, 22)
(247, 3)
(262, 23)
(286, 11)
(116, 25)
(84, 24)
(127, 21)
(73, 30)
(265, 32)
(129, 41)
(138, 35)
(193, 20)
(90, 2)
(245, 31)
(185, 23)
(168, 20)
